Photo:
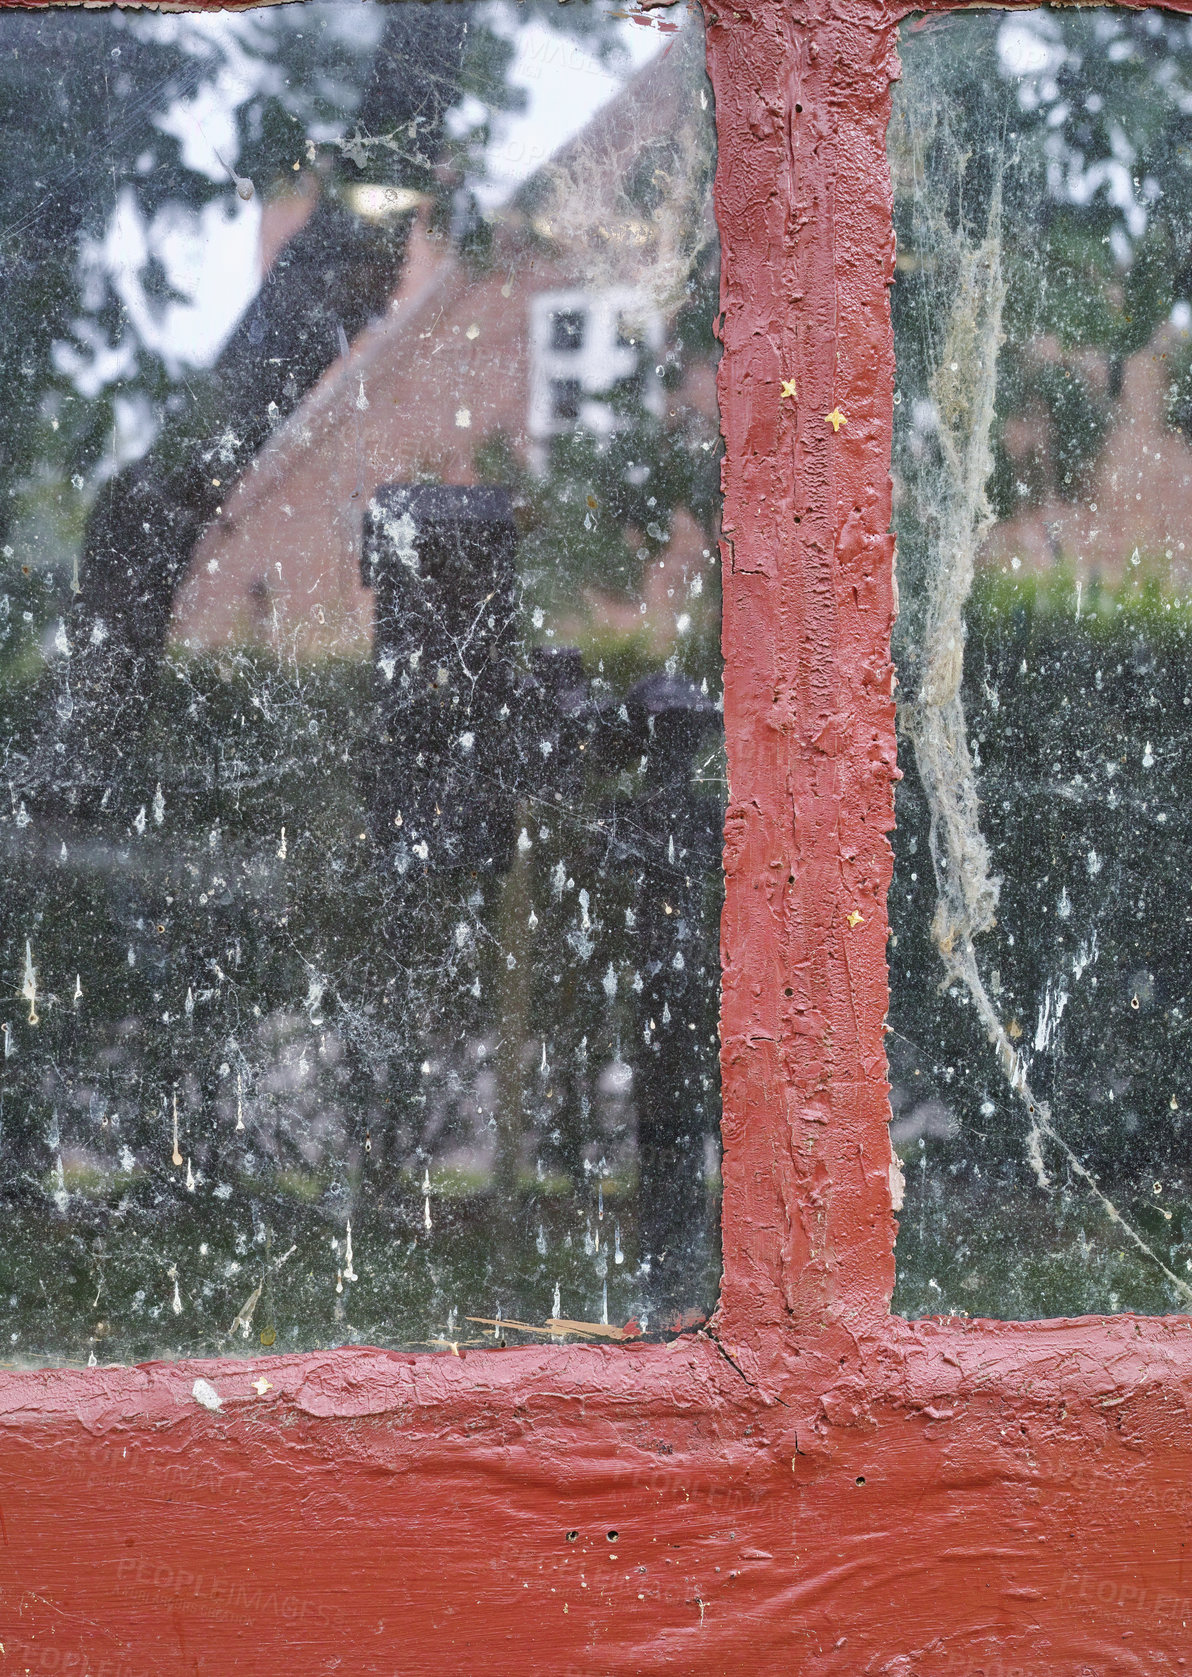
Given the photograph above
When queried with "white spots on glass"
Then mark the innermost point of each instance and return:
(244, 1316)
(1093, 863)
(1064, 906)
(1055, 1000)
(1084, 957)
(28, 990)
(401, 532)
(176, 1307)
(316, 989)
(349, 973)
(1148, 756)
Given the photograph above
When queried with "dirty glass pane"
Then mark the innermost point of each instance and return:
(1041, 942)
(360, 697)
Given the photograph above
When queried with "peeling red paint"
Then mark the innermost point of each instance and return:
(814, 1486)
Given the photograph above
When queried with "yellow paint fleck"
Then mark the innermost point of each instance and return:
(788, 389)
(855, 917)
(835, 419)
(261, 1386)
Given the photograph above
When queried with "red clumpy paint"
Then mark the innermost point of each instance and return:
(808, 1485)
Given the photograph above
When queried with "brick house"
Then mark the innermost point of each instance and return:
(568, 300)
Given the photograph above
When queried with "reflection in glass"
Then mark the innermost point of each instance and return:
(1041, 947)
(360, 682)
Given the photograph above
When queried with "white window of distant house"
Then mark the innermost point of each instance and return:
(584, 347)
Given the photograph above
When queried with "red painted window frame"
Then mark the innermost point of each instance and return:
(811, 1485)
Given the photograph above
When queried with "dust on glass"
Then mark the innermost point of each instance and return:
(360, 690)
(1041, 909)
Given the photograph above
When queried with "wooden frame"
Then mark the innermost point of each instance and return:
(811, 1485)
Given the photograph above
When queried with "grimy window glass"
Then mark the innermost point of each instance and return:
(1041, 909)
(360, 691)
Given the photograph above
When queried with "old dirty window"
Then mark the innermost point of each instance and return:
(359, 667)
(1041, 927)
